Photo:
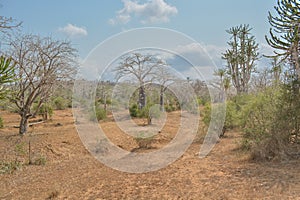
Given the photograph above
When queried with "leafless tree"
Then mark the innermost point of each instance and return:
(7, 25)
(141, 67)
(40, 63)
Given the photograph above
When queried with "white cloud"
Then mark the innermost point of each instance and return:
(73, 31)
(266, 49)
(153, 11)
(202, 54)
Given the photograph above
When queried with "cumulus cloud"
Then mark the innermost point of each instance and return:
(201, 54)
(73, 31)
(153, 11)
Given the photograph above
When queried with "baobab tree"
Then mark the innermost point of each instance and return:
(40, 63)
(164, 79)
(143, 68)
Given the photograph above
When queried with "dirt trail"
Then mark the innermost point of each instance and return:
(72, 173)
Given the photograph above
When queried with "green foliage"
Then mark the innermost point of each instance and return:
(232, 119)
(284, 34)
(40, 160)
(60, 103)
(240, 57)
(233, 113)
(9, 167)
(45, 110)
(202, 101)
(149, 110)
(1, 123)
(20, 149)
(272, 123)
(154, 111)
(170, 108)
(143, 141)
(104, 100)
(133, 110)
(206, 114)
(98, 112)
(260, 115)
(7, 74)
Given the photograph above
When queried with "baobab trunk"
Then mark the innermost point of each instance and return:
(142, 97)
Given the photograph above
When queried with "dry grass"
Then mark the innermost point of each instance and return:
(72, 173)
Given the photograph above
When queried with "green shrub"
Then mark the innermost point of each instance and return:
(154, 111)
(133, 110)
(272, 123)
(60, 103)
(1, 123)
(233, 115)
(231, 118)
(201, 101)
(143, 141)
(98, 113)
(144, 112)
(150, 111)
(103, 101)
(46, 110)
(170, 108)
(260, 116)
(9, 167)
(40, 160)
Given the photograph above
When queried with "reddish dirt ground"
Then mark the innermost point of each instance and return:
(71, 172)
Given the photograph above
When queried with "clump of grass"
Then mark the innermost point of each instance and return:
(54, 194)
(40, 160)
(143, 142)
(9, 167)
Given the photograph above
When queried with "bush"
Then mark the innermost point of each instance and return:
(40, 160)
(201, 101)
(60, 103)
(259, 116)
(232, 118)
(143, 142)
(1, 123)
(150, 111)
(133, 110)
(272, 124)
(46, 110)
(170, 108)
(98, 112)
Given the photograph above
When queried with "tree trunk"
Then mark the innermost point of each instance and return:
(23, 123)
(149, 120)
(105, 105)
(161, 99)
(142, 97)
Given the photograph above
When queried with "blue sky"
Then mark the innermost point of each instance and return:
(87, 23)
